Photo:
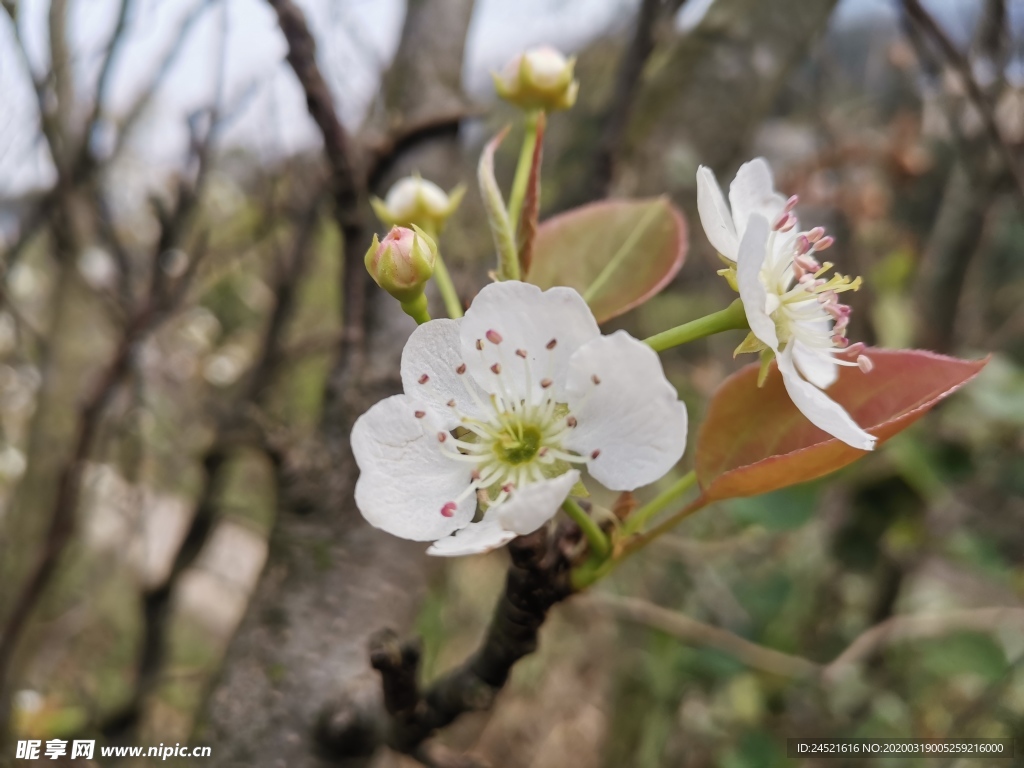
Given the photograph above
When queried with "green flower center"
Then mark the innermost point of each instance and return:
(519, 444)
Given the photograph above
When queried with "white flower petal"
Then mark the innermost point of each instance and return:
(752, 253)
(430, 364)
(714, 214)
(821, 370)
(527, 321)
(474, 539)
(630, 423)
(526, 510)
(819, 408)
(405, 479)
(753, 192)
(529, 507)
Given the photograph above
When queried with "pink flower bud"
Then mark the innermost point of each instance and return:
(402, 262)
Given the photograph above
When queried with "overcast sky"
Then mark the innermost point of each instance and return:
(356, 39)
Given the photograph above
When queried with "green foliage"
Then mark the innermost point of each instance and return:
(963, 653)
(781, 510)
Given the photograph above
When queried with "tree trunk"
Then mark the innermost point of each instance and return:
(331, 581)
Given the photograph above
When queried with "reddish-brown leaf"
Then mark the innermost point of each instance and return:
(755, 440)
(616, 253)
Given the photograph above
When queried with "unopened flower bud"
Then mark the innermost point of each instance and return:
(415, 201)
(540, 78)
(402, 262)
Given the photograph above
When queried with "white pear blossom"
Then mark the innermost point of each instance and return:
(790, 306)
(502, 408)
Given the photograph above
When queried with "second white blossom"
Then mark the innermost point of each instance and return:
(792, 307)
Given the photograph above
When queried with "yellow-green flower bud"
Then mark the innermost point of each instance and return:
(540, 78)
(402, 262)
(415, 201)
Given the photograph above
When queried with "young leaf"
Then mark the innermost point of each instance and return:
(616, 253)
(754, 440)
(497, 215)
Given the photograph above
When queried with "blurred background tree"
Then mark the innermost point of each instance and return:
(187, 334)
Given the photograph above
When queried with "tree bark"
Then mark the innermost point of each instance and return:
(331, 581)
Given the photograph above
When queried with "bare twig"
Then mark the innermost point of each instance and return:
(157, 599)
(383, 153)
(617, 113)
(537, 580)
(347, 192)
(157, 306)
(992, 36)
(103, 83)
(290, 271)
(63, 83)
(894, 630)
(697, 633)
(152, 87)
(47, 120)
(899, 629)
(953, 242)
(960, 63)
(30, 225)
(62, 513)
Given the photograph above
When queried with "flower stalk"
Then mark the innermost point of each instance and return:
(417, 308)
(638, 519)
(732, 318)
(445, 286)
(522, 177)
(594, 570)
(591, 530)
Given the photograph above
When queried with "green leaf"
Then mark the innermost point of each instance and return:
(783, 510)
(962, 653)
(616, 253)
(755, 440)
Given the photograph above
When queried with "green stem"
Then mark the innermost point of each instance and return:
(522, 177)
(417, 309)
(445, 286)
(447, 289)
(640, 541)
(638, 519)
(729, 319)
(593, 571)
(595, 536)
